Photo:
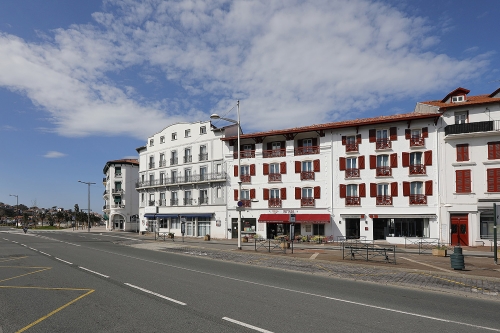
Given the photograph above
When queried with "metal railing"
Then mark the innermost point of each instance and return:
(206, 177)
(308, 150)
(274, 153)
(480, 126)
(424, 245)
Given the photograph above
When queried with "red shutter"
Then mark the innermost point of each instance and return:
(316, 164)
(362, 190)
(342, 191)
(463, 181)
(459, 181)
(373, 162)
(394, 189)
(358, 139)
(425, 132)
(373, 190)
(463, 152)
(467, 181)
(298, 166)
(265, 169)
(283, 193)
(490, 151)
(372, 135)
(252, 193)
(344, 140)
(491, 180)
(235, 171)
(405, 159)
(406, 189)
(252, 169)
(394, 160)
(393, 133)
(407, 134)
(428, 187)
(361, 162)
(236, 195)
(266, 194)
(283, 168)
(298, 193)
(428, 157)
(493, 150)
(342, 163)
(317, 192)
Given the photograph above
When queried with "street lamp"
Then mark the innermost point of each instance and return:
(88, 211)
(17, 206)
(239, 208)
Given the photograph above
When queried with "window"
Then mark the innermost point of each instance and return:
(188, 200)
(151, 162)
(307, 172)
(382, 139)
(351, 144)
(463, 181)
(383, 168)
(416, 188)
(463, 152)
(307, 166)
(487, 221)
(245, 195)
(151, 179)
(416, 165)
(274, 193)
(118, 171)
(203, 153)
(187, 175)
(187, 155)
(162, 139)
(276, 145)
(187, 133)
(203, 130)
(461, 117)
(351, 169)
(162, 178)
(173, 157)
(174, 136)
(218, 193)
(162, 199)
(457, 99)
(203, 173)
(203, 197)
(175, 223)
(245, 174)
(218, 168)
(174, 200)
(274, 172)
(173, 175)
(151, 200)
(493, 176)
(352, 190)
(151, 142)
(142, 197)
(494, 150)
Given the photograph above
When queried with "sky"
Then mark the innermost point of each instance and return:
(86, 82)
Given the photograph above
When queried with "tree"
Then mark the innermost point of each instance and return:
(42, 216)
(51, 219)
(77, 212)
(59, 216)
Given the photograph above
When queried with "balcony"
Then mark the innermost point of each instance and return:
(203, 157)
(309, 150)
(188, 159)
(246, 203)
(245, 178)
(417, 141)
(351, 147)
(417, 169)
(105, 207)
(383, 171)
(351, 173)
(480, 126)
(104, 180)
(162, 202)
(307, 175)
(174, 161)
(118, 175)
(162, 163)
(274, 203)
(352, 201)
(152, 165)
(418, 199)
(307, 202)
(151, 203)
(203, 200)
(245, 154)
(383, 144)
(384, 200)
(274, 177)
(174, 202)
(118, 205)
(274, 153)
(188, 201)
(117, 191)
(206, 177)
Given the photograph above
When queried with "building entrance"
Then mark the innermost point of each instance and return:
(459, 234)
(352, 228)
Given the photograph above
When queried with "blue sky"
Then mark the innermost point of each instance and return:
(85, 82)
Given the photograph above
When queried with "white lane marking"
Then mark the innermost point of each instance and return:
(155, 294)
(255, 328)
(33, 249)
(24, 245)
(314, 256)
(72, 244)
(15, 242)
(67, 262)
(421, 263)
(45, 254)
(88, 270)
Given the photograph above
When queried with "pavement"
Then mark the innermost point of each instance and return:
(406, 267)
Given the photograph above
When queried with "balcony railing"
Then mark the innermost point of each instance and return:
(307, 202)
(245, 154)
(307, 175)
(162, 163)
(203, 200)
(274, 203)
(105, 207)
(351, 147)
(309, 150)
(104, 179)
(117, 191)
(174, 161)
(417, 141)
(188, 201)
(151, 165)
(118, 175)
(151, 202)
(245, 178)
(351, 173)
(480, 126)
(352, 201)
(162, 202)
(274, 177)
(417, 169)
(383, 144)
(418, 199)
(274, 153)
(383, 171)
(115, 206)
(203, 156)
(384, 200)
(247, 203)
(174, 202)
(188, 158)
(206, 177)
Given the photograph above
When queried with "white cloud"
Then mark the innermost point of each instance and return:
(290, 63)
(54, 154)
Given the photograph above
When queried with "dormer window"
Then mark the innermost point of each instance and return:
(458, 99)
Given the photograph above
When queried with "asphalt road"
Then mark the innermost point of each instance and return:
(77, 282)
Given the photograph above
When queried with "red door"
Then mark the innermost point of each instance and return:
(459, 229)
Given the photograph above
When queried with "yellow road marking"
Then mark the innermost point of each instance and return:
(15, 277)
(13, 259)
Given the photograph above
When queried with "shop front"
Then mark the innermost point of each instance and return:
(305, 224)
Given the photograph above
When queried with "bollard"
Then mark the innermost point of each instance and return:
(457, 258)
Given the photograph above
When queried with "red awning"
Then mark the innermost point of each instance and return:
(299, 218)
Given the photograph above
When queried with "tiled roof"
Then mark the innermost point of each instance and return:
(471, 100)
(341, 124)
(122, 161)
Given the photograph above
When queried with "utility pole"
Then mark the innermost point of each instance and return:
(88, 211)
(17, 206)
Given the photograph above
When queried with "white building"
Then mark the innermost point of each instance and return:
(469, 164)
(121, 200)
(182, 178)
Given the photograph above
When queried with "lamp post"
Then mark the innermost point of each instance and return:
(17, 206)
(88, 211)
(239, 208)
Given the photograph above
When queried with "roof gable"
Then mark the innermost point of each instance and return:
(457, 92)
